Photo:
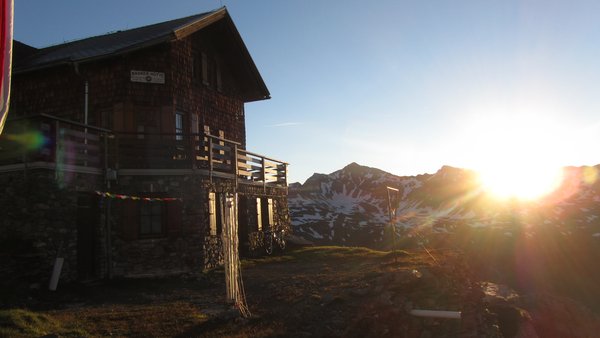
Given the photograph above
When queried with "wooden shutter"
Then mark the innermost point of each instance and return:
(205, 68)
(212, 213)
(258, 215)
(270, 210)
(174, 211)
(219, 79)
(194, 123)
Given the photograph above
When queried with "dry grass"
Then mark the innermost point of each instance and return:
(309, 291)
(25, 323)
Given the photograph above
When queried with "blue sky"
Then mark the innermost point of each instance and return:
(405, 86)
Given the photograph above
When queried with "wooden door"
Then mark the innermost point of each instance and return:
(87, 223)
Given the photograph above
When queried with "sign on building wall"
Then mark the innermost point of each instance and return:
(147, 77)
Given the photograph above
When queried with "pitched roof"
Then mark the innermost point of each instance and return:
(121, 42)
(110, 44)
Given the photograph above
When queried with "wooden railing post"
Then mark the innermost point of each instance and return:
(235, 164)
(264, 174)
(210, 158)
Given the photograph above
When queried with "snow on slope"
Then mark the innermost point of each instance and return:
(350, 206)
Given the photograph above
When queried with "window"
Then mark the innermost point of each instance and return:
(179, 126)
(140, 132)
(151, 218)
(266, 215)
(206, 69)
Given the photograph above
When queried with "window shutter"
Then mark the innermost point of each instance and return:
(204, 68)
(258, 215)
(219, 80)
(270, 208)
(167, 121)
(194, 123)
(174, 210)
(130, 219)
(212, 213)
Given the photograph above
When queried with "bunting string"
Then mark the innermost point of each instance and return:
(104, 194)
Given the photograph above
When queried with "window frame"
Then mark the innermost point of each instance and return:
(157, 216)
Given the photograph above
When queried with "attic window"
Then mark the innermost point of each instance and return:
(206, 70)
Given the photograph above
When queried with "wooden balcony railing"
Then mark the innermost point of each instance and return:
(66, 144)
(51, 140)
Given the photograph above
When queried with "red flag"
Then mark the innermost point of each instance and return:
(6, 41)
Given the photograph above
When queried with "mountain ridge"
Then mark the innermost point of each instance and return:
(349, 205)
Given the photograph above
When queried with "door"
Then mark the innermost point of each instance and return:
(87, 223)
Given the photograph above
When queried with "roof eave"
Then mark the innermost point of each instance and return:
(122, 51)
(197, 25)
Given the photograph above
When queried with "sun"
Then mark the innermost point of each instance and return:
(523, 182)
(516, 156)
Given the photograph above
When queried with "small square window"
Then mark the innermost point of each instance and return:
(151, 218)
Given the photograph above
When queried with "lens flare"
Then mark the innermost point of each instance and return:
(522, 182)
(30, 140)
(590, 175)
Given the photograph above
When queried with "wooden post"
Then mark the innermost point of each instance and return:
(235, 165)
(392, 227)
(210, 158)
(264, 174)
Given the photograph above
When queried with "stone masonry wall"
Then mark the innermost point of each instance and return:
(38, 224)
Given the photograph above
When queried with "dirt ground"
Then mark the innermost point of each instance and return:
(321, 291)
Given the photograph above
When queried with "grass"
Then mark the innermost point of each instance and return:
(309, 291)
(25, 323)
(336, 252)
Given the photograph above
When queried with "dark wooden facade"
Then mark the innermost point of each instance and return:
(108, 142)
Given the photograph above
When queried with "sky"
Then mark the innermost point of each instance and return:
(404, 86)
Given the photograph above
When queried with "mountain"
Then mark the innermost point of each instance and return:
(350, 206)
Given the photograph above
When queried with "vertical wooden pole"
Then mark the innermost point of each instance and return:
(392, 227)
(210, 158)
(235, 165)
(264, 175)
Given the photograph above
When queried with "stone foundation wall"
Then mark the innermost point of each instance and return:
(157, 257)
(213, 252)
(40, 211)
(39, 223)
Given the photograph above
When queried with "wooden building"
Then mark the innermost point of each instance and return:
(123, 153)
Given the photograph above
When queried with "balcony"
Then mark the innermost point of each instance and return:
(45, 141)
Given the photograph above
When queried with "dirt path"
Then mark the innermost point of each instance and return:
(326, 291)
